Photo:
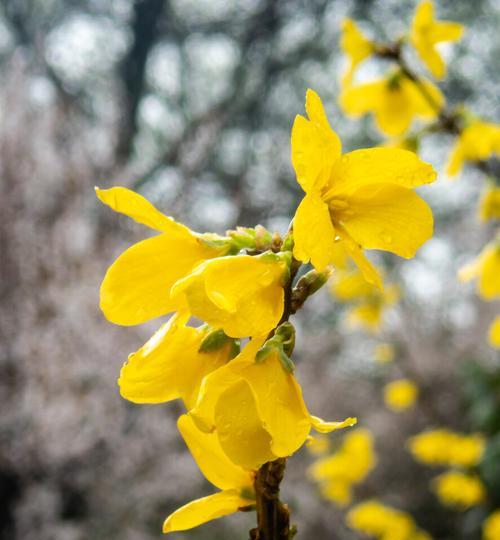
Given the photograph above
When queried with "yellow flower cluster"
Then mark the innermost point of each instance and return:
(491, 526)
(245, 407)
(369, 302)
(459, 490)
(346, 467)
(383, 522)
(400, 395)
(442, 447)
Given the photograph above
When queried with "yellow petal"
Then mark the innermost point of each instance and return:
(135, 206)
(489, 280)
(241, 294)
(376, 166)
(239, 428)
(367, 316)
(211, 459)
(394, 112)
(388, 217)
(355, 45)
(327, 427)
(202, 510)
(489, 207)
(313, 233)
(350, 285)
(426, 100)
(279, 402)
(494, 333)
(400, 395)
(315, 146)
(136, 287)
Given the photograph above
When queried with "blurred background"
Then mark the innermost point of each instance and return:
(191, 103)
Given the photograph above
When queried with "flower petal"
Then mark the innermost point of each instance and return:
(211, 459)
(202, 510)
(315, 146)
(388, 217)
(135, 206)
(136, 287)
(379, 166)
(494, 333)
(313, 232)
(326, 427)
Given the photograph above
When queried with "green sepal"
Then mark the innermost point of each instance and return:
(213, 341)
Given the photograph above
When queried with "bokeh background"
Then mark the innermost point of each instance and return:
(191, 102)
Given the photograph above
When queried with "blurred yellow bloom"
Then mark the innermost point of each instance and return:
(478, 141)
(348, 466)
(426, 32)
(395, 101)
(137, 285)
(241, 294)
(256, 409)
(400, 395)
(356, 46)
(459, 490)
(486, 267)
(442, 447)
(489, 205)
(494, 333)
(236, 484)
(383, 522)
(384, 353)
(318, 444)
(491, 526)
(170, 366)
(362, 199)
(369, 301)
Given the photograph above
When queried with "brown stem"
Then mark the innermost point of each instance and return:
(273, 517)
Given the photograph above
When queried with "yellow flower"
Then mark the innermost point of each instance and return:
(395, 101)
(459, 490)
(362, 199)
(494, 333)
(236, 484)
(486, 267)
(489, 206)
(477, 142)
(441, 447)
(400, 395)
(318, 445)
(137, 285)
(370, 302)
(170, 365)
(491, 526)
(426, 32)
(376, 519)
(356, 46)
(256, 409)
(348, 466)
(384, 353)
(241, 294)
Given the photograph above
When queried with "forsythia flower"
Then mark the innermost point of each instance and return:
(241, 294)
(137, 285)
(458, 489)
(426, 32)
(376, 519)
(318, 444)
(478, 141)
(356, 46)
(384, 353)
(489, 206)
(486, 267)
(395, 100)
(370, 302)
(256, 409)
(236, 484)
(442, 447)
(491, 526)
(348, 466)
(363, 199)
(170, 365)
(494, 333)
(400, 395)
